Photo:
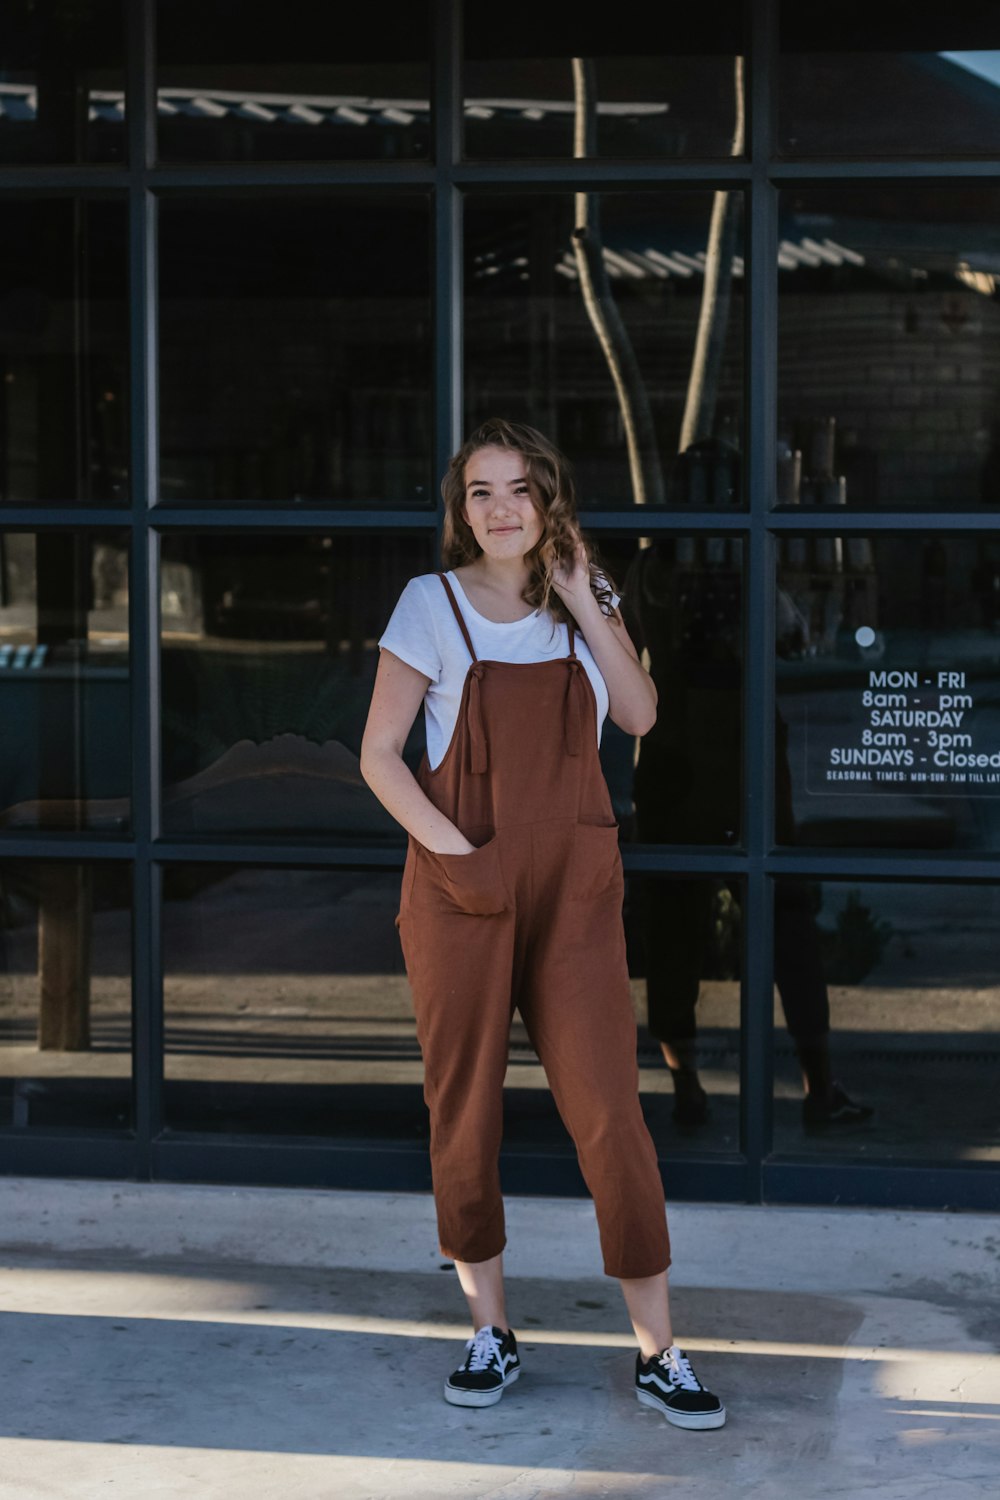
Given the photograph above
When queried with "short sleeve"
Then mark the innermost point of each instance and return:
(616, 599)
(410, 633)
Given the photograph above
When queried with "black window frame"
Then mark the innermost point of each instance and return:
(756, 1174)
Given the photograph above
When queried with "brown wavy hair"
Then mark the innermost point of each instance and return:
(554, 497)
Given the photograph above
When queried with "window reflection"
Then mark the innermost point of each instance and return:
(63, 353)
(685, 941)
(683, 603)
(62, 81)
(911, 972)
(269, 656)
(65, 995)
(322, 84)
(295, 345)
(678, 94)
(614, 323)
(888, 81)
(64, 680)
(286, 1005)
(889, 716)
(888, 317)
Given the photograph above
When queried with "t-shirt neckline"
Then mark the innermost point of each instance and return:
(497, 624)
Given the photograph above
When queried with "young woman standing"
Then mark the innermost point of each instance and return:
(512, 888)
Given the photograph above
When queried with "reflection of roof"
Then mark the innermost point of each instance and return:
(20, 102)
(625, 264)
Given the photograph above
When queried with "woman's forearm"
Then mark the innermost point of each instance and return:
(399, 792)
(631, 691)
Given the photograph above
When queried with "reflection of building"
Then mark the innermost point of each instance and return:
(246, 309)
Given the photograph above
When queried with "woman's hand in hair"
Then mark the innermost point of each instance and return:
(571, 580)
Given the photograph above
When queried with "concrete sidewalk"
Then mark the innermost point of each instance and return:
(223, 1344)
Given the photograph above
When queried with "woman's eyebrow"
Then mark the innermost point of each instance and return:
(485, 483)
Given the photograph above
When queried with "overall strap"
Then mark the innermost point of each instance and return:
(572, 638)
(459, 616)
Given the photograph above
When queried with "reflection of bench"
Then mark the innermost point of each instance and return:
(287, 785)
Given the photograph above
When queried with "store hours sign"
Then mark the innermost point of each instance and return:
(906, 730)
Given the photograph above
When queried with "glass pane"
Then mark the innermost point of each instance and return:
(685, 947)
(64, 353)
(316, 82)
(287, 1010)
(890, 991)
(863, 80)
(62, 81)
(558, 84)
(269, 656)
(64, 676)
(296, 351)
(888, 712)
(614, 324)
(65, 995)
(682, 599)
(887, 380)
(286, 1005)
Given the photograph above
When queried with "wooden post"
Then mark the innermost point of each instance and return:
(64, 921)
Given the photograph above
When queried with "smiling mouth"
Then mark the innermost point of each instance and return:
(505, 528)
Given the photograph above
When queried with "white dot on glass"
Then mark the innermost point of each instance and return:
(865, 635)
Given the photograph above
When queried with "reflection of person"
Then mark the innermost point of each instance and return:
(687, 791)
(512, 888)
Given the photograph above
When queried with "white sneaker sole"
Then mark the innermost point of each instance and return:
(458, 1397)
(697, 1421)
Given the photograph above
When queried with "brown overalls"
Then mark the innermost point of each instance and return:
(531, 919)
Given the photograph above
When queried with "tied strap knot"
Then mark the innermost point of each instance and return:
(477, 731)
(572, 707)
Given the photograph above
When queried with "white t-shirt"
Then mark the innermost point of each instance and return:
(423, 632)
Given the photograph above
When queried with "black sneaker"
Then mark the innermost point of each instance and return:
(836, 1111)
(490, 1366)
(668, 1382)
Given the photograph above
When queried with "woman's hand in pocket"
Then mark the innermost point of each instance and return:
(458, 844)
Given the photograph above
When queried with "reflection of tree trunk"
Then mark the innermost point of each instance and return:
(63, 574)
(64, 957)
(616, 346)
(706, 364)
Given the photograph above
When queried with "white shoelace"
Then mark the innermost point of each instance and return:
(484, 1349)
(678, 1367)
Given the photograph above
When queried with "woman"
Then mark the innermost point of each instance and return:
(512, 888)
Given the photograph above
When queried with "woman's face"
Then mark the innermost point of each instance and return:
(500, 503)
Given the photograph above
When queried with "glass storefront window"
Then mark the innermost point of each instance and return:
(65, 995)
(614, 323)
(286, 1006)
(559, 84)
(287, 1010)
(682, 601)
(888, 729)
(64, 677)
(62, 82)
(315, 83)
(64, 352)
(296, 350)
(861, 80)
(888, 318)
(269, 656)
(893, 990)
(685, 946)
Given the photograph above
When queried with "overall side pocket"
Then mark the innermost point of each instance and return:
(471, 884)
(597, 862)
